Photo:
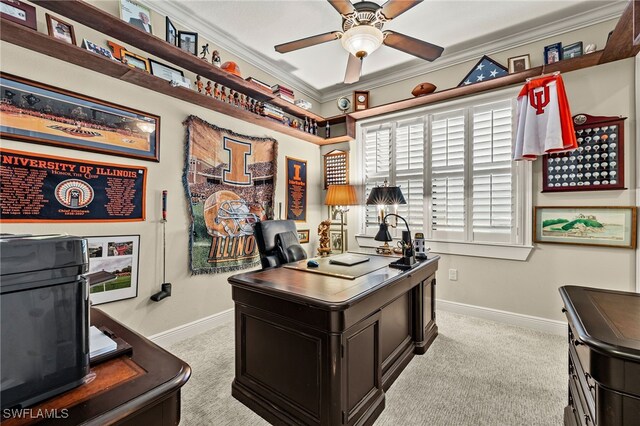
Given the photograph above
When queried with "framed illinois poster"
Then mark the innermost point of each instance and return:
(296, 196)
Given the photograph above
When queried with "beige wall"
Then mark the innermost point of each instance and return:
(194, 297)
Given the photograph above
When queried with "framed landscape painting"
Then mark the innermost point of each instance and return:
(34, 112)
(113, 268)
(593, 226)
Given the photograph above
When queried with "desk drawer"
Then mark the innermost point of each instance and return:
(577, 401)
(583, 380)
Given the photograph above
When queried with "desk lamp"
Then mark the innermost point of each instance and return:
(341, 196)
(382, 196)
(407, 260)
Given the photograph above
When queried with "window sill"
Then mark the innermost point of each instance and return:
(492, 251)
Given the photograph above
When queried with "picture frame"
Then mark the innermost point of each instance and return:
(188, 41)
(296, 189)
(303, 235)
(604, 226)
(519, 63)
(552, 53)
(336, 240)
(171, 32)
(90, 126)
(137, 15)
(572, 51)
(334, 215)
(113, 268)
(60, 30)
(164, 71)
(336, 168)
(19, 12)
(92, 47)
(135, 61)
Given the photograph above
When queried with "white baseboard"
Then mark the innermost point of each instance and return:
(185, 331)
(512, 318)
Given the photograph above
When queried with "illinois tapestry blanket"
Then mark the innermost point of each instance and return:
(230, 183)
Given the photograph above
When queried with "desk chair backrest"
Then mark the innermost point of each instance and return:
(278, 242)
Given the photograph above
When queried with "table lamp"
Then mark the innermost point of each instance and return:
(407, 260)
(341, 196)
(382, 196)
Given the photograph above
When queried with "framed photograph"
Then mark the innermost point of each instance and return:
(188, 41)
(136, 14)
(92, 47)
(113, 268)
(61, 30)
(296, 190)
(552, 53)
(519, 63)
(572, 51)
(165, 71)
(334, 215)
(19, 12)
(135, 61)
(171, 32)
(303, 235)
(35, 112)
(337, 240)
(591, 226)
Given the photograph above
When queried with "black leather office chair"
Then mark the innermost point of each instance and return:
(278, 242)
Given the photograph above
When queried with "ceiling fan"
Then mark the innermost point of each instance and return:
(362, 34)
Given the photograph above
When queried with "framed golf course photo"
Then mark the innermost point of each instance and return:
(592, 226)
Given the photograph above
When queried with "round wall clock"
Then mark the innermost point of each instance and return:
(344, 104)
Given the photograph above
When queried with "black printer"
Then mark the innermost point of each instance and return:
(44, 310)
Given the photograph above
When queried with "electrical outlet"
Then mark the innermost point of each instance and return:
(453, 275)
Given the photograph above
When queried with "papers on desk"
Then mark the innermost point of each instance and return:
(99, 343)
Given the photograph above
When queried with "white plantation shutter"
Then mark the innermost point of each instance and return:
(447, 175)
(377, 160)
(493, 202)
(409, 171)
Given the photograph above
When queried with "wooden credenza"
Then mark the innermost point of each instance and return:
(604, 357)
(321, 350)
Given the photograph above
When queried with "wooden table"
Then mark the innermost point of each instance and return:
(140, 389)
(322, 350)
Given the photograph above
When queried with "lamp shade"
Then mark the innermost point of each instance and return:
(341, 195)
(362, 40)
(386, 196)
(383, 233)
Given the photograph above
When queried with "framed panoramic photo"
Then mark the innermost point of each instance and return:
(136, 14)
(61, 30)
(135, 61)
(113, 268)
(188, 41)
(19, 12)
(591, 226)
(35, 112)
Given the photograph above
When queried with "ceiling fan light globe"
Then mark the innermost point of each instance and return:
(362, 40)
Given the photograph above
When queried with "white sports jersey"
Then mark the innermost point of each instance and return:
(544, 119)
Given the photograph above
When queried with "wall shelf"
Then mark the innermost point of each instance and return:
(42, 43)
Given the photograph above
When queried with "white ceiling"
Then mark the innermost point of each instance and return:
(256, 26)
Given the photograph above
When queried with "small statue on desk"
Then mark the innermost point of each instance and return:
(208, 89)
(199, 85)
(205, 52)
(215, 58)
(325, 241)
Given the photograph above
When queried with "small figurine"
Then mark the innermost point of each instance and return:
(252, 107)
(208, 89)
(230, 98)
(243, 101)
(215, 58)
(223, 93)
(323, 233)
(236, 99)
(205, 51)
(199, 84)
(216, 91)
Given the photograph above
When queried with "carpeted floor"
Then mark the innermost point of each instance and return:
(476, 373)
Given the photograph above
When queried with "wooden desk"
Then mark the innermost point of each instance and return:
(320, 350)
(141, 389)
(604, 356)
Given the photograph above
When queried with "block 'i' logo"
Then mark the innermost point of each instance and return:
(539, 99)
(237, 172)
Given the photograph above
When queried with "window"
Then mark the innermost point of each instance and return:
(454, 167)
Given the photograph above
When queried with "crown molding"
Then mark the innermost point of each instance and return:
(176, 12)
(454, 55)
(464, 52)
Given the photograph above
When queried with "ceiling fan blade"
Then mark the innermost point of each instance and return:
(309, 41)
(393, 8)
(344, 7)
(354, 67)
(413, 46)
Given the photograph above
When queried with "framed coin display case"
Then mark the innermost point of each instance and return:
(336, 168)
(598, 162)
